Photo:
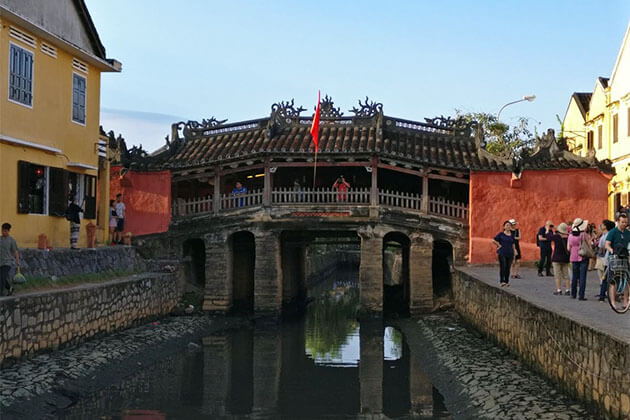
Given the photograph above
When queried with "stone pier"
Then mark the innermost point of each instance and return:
(420, 273)
(371, 272)
(268, 274)
(218, 290)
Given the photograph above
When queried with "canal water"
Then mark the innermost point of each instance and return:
(324, 364)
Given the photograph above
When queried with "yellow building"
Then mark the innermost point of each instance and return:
(51, 61)
(598, 124)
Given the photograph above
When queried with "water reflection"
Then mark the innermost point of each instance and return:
(289, 372)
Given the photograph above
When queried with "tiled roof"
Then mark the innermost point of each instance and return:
(435, 143)
(441, 142)
(583, 100)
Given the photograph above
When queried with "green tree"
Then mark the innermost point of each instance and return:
(500, 138)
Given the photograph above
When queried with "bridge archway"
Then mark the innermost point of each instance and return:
(194, 253)
(396, 273)
(243, 263)
(442, 262)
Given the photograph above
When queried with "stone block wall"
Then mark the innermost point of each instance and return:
(65, 261)
(585, 363)
(49, 319)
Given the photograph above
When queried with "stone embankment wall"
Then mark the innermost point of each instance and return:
(63, 262)
(49, 319)
(584, 362)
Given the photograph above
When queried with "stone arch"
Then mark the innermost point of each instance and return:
(396, 272)
(194, 257)
(441, 268)
(243, 261)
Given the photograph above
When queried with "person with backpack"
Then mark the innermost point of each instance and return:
(544, 243)
(578, 261)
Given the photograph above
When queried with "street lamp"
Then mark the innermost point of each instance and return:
(528, 98)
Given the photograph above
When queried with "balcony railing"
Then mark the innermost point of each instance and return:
(321, 196)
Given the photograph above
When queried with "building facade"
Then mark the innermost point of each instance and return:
(598, 124)
(51, 60)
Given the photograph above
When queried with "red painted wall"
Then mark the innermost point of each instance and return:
(557, 195)
(147, 197)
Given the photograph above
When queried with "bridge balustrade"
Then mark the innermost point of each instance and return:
(320, 196)
(355, 196)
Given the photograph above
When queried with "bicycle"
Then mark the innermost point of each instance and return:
(618, 278)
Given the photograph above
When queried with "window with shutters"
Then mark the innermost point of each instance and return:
(599, 140)
(90, 197)
(58, 192)
(78, 98)
(32, 188)
(615, 127)
(599, 134)
(20, 75)
(589, 140)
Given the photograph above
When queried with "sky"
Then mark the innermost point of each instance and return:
(196, 59)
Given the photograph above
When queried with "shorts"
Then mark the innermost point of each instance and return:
(120, 226)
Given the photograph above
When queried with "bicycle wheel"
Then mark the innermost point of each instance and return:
(618, 289)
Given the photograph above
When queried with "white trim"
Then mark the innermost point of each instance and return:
(621, 162)
(84, 77)
(18, 142)
(32, 79)
(81, 165)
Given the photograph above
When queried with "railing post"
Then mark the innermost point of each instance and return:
(267, 185)
(424, 208)
(374, 186)
(216, 197)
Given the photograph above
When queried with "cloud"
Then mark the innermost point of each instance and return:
(137, 127)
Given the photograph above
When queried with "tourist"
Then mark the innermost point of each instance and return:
(120, 218)
(617, 242)
(113, 222)
(591, 231)
(579, 263)
(544, 243)
(516, 233)
(239, 191)
(504, 241)
(341, 185)
(8, 254)
(560, 259)
(72, 215)
(297, 189)
(602, 258)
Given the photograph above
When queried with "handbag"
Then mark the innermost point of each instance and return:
(586, 250)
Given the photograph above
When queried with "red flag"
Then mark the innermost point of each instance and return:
(315, 126)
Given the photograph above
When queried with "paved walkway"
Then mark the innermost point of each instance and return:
(539, 291)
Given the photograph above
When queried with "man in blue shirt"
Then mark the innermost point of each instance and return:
(239, 190)
(543, 240)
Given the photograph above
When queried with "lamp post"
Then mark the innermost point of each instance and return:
(528, 98)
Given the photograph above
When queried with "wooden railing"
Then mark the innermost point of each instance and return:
(197, 205)
(249, 199)
(320, 196)
(305, 196)
(442, 207)
(400, 199)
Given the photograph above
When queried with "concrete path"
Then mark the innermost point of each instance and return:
(539, 291)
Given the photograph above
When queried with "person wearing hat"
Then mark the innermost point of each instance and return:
(602, 257)
(579, 263)
(516, 234)
(544, 243)
(560, 259)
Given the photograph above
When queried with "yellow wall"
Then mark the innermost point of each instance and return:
(573, 128)
(47, 123)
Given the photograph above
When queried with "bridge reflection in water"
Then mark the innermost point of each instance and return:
(326, 365)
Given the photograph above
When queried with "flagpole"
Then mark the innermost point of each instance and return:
(315, 169)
